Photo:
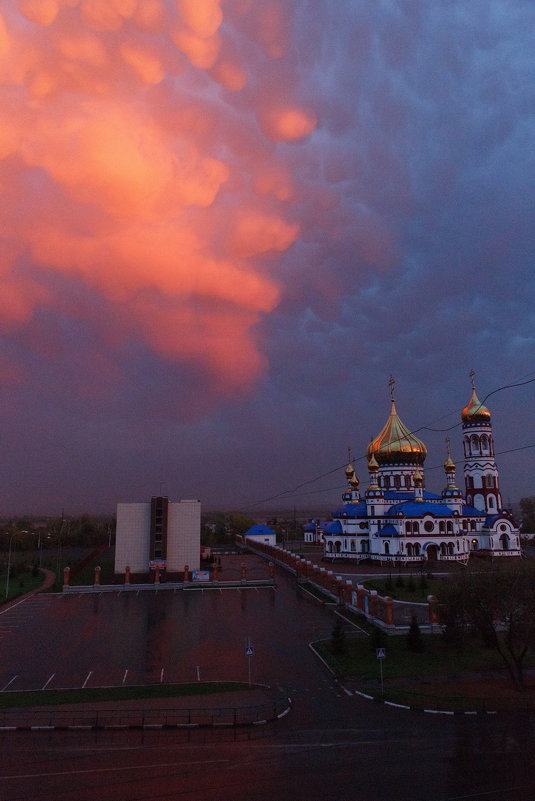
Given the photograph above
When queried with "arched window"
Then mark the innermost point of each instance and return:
(449, 527)
(450, 548)
(470, 482)
(352, 545)
(490, 480)
(329, 547)
(504, 539)
(415, 528)
(472, 525)
(442, 527)
(443, 548)
(397, 482)
(491, 501)
(408, 482)
(387, 547)
(337, 546)
(409, 549)
(386, 482)
(416, 547)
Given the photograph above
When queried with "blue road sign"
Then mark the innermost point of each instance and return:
(380, 653)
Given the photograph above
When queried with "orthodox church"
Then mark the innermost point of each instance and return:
(398, 521)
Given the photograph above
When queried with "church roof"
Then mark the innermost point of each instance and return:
(419, 509)
(334, 527)
(471, 511)
(352, 510)
(388, 531)
(259, 531)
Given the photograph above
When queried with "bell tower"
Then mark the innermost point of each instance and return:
(480, 472)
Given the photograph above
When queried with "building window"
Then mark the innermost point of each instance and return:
(429, 526)
(397, 482)
(449, 527)
(387, 547)
(415, 528)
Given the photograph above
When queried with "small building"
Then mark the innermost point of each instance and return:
(260, 533)
(159, 537)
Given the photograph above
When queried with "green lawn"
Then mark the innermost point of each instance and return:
(21, 581)
(431, 678)
(98, 694)
(407, 590)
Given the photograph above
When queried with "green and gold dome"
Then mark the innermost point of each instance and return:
(395, 444)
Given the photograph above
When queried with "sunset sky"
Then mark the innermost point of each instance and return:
(225, 223)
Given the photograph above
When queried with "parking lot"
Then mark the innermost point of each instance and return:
(53, 641)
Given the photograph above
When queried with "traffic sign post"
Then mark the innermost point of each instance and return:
(249, 651)
(380, 653)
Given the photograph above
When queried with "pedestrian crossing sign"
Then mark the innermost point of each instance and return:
(380, 653)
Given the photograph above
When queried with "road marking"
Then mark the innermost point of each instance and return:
(9, 682)
(86, 679)
(125, 674)
(48, 682)
(116, 769)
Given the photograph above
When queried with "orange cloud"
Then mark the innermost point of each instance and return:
(126, 171)
(287, 123)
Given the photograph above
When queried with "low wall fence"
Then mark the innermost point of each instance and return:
(384, 611)
(143, 718)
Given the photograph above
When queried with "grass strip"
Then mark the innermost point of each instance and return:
(98, 694)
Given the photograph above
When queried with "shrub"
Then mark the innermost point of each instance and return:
(338, 638)
(415, 642)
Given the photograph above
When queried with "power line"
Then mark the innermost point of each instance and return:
(289, 493)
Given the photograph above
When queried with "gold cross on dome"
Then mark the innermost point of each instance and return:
(391, 383)
(472, 377)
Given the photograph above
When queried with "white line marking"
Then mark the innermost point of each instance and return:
(116, 769)
(9, 682)
(125, 675)
(86, 679)
(48, 682)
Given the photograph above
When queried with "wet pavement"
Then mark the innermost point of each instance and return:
(332, 745)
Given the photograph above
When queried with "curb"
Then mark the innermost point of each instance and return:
(167, 726)
(449, 712)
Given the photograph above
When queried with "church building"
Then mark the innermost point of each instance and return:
(398, 521)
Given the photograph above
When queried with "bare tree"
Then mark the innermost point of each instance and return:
(498, 601)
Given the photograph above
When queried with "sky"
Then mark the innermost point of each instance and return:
(224, 224)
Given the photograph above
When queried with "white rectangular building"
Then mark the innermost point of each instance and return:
(162, 532)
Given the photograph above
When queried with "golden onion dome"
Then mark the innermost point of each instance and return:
(373, 464)
(395, 443)
(449, 465)
(475, 411)
(354, 480)
(349, 470)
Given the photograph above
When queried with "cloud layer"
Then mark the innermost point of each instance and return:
(238, 217)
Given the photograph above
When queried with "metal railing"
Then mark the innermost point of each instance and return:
(142, 718)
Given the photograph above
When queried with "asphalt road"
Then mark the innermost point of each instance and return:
(331, 746)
